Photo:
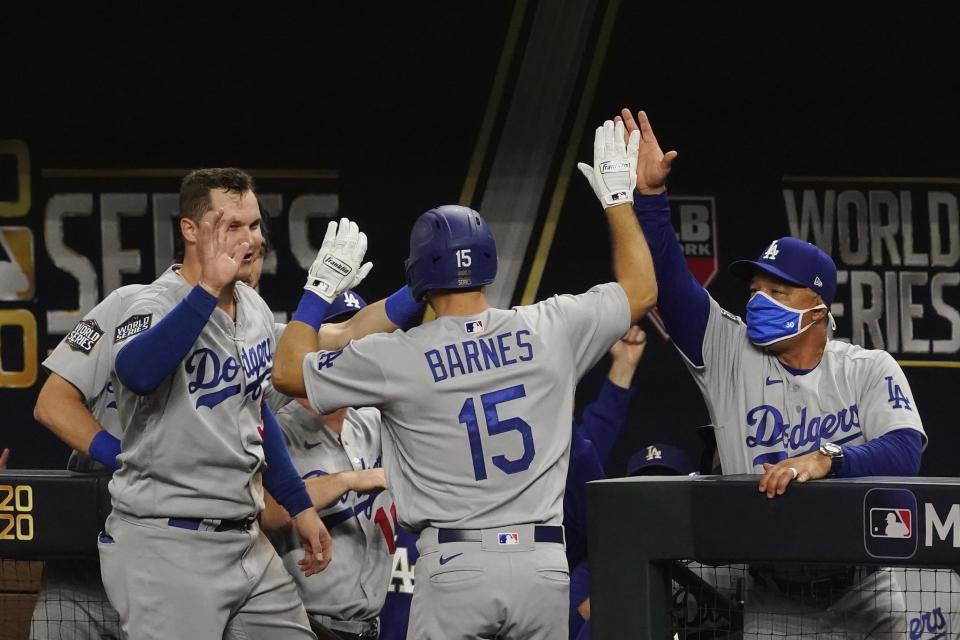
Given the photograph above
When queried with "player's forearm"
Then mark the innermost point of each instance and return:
(144, 362)
(683, 304)
(280, 477)
(383, 316)
(621, 373)
(632, 264)
(896, 453)
(60, 408)
(297, 341)
(325, 489)
(274, 517)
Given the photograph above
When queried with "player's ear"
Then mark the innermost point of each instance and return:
(189, 229)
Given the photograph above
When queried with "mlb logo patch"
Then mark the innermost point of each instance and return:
(890, 523)
(508, 538)
(473, 326)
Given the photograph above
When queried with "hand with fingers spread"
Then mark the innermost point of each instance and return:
(776, 477)
(219, 259)
(338, 264)
(652, 164)
(614, 171)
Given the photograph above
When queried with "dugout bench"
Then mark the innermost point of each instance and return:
(637, 526)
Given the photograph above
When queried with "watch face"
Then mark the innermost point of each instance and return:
(831, 449)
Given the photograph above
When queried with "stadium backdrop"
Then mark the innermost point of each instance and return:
(839, 129)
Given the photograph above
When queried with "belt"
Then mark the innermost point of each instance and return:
(211, 524)
(541, 533)
(351, 629)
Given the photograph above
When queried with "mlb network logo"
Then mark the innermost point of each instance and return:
(473, 326)
(889, 518)
(508, 538)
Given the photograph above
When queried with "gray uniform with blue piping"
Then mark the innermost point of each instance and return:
(182, 554)
(476, 413)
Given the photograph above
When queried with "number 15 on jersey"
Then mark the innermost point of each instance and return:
(495, 426)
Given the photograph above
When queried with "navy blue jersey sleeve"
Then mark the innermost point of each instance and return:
(584, 466)
(280, 477)
(896, 453)
(144, 362)
(604, 417)
(682, 303)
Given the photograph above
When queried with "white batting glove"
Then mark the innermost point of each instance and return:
(614, 172)
(337, 267)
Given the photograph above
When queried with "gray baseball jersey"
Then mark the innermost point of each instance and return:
(274, 399)
(933, 602)
(764, 413)
(71, 602)
(354, 585)
(85, 359)
(477, 408)
(193, 447)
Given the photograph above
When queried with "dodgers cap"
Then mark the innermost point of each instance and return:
(796, 261)
(660, 455)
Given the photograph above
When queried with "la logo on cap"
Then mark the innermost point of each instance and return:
(771, 252)
(818, 282)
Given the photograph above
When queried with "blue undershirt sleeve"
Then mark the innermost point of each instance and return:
(144, 362)
(104, 448)
(280, 477)
(896, 453)
(604, 417)
(682, 303)
(401, 309)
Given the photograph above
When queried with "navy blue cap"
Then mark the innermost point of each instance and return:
(346, 303)
(796, 261)
(660, 455)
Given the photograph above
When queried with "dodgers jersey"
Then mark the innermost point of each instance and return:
(192, 447)
(85, 359)
(354, 585)
(274, 399)
(476, 408)
(764, 413)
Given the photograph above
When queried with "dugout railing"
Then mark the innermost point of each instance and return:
(639, 528)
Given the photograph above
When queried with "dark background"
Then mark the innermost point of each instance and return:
(392, 99)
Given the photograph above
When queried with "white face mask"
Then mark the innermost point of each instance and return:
(769, 321)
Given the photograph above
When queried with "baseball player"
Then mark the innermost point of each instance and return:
(339, 457)
(591, 442)
(182, 554)
(78, 404)
(787, 401)
(475, 406)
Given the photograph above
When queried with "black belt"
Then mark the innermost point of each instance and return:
(541, 533)
(194, 524)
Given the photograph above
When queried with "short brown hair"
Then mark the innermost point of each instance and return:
(196, 186)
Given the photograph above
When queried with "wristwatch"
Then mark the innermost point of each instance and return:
(835, 453)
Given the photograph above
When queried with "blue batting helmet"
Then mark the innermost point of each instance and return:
(451, 247)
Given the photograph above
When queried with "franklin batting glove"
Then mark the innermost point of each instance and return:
(337, 267)
(614, 172)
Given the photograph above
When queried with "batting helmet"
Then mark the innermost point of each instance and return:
(451, 247)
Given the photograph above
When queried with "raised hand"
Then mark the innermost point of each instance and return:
(653, 164)
(337, 266)
(614, 171)
(219, 262)
(629, 348)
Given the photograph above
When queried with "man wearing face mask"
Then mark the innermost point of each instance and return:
(787, 401)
